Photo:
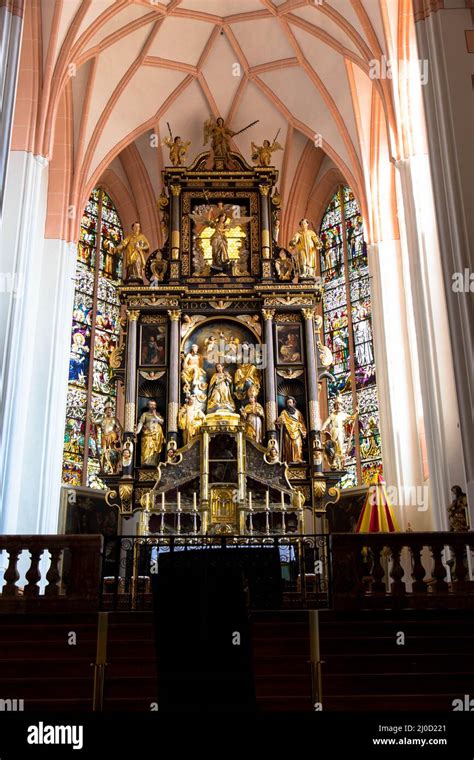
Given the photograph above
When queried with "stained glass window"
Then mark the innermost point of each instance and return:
(94, 332)
(348, 332)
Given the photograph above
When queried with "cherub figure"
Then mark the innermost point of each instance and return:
(262, 154)
(178, 149)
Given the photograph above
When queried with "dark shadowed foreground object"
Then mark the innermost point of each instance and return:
(201, 602)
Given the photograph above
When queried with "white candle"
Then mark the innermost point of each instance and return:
(163, 501)
(267, 500)
(179, 501)
(250, 500)
(282, 500)
(194, 501)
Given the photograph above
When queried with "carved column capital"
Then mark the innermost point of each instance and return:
(268, 313)
(264, 189)
(308, 313)
(133, 315)
(175, 190)
(174, 315)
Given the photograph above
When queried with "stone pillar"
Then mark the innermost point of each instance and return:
(441, 38)
(314, 420)
(438, 390)
(35, 334)
(271, 411)
(131, 375)
(11, 27)
(173, 379)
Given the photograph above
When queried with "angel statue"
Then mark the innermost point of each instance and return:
(262, 154)
(220, 136)
(178, 149)
(221, 220)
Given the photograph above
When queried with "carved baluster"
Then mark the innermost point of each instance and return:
(397, 572)
(460, 569)
(11, 573)
(378, 572)
(53, 576)
(33, 575)
(439, 570)
(419, 586)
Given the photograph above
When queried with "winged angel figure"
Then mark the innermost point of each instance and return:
(219, 221)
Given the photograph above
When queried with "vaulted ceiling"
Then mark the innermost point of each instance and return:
(117, 71)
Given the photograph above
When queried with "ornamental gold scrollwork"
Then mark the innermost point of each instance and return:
(126, 494)
(296, 300)
(154, 319)
(109, 497)
(115, 356)
(152, 300)
(319, 488)
(297, 473)
(336, 492)
(291, 317)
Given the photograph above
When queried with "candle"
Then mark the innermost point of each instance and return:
(250, 500)
(179, 501)
(267, 500)
(163, 501)
(194, 501)
(282, 500)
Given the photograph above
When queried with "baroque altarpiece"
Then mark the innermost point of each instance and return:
(221, 361)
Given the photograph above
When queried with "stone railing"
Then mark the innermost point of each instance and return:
(50, 573)
(416, 570)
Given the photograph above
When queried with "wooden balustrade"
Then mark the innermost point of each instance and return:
(71, 581)
(401, 570)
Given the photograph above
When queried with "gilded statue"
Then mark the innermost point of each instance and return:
(110, 440)
(284, 266)
(135, 247)
(292, 430)
(220, 391)
(253, 416)
(158, 267)
(190, 419)
(220, 135)
(335, 429)
(222, 219)
(193, 375)
(304, 245)
(246, 377)
(150, 425)
(262, 154)
(178, 149)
